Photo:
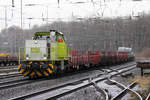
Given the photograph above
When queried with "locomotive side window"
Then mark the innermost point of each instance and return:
(60, 37)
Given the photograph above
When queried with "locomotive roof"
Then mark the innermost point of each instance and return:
(44, 33)
(41, 33)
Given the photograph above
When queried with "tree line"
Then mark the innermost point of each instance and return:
(92, 33)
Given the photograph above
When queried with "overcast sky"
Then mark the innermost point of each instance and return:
(66, 10)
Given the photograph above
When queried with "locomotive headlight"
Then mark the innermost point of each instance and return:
(44, 57)
(27, 58)
(35, 42)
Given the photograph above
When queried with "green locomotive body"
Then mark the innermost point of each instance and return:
(44, 55)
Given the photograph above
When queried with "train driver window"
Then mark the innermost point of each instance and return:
(53, 36)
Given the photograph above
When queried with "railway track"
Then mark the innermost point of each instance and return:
(10, 75)
(125, 90)
(8, 67)
(19, 82)
(67, 88)
(23, 81)
(105, 94)
(8, 72)
(14, 83)
(17, 74)
(148, 97)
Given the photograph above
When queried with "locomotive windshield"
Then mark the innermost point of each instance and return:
(53, 36)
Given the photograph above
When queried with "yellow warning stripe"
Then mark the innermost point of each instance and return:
(46, 74)
(38, 73)
(22, 70)
(26, 73)
(50, 71)
(32, 74)
(19, 66)
(51, 66)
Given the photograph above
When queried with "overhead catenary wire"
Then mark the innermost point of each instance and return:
(99, 7)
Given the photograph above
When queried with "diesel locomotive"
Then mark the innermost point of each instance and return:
(45, 54)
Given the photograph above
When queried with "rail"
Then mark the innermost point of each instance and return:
(10, 75)
(148, 97)
(106, 95)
